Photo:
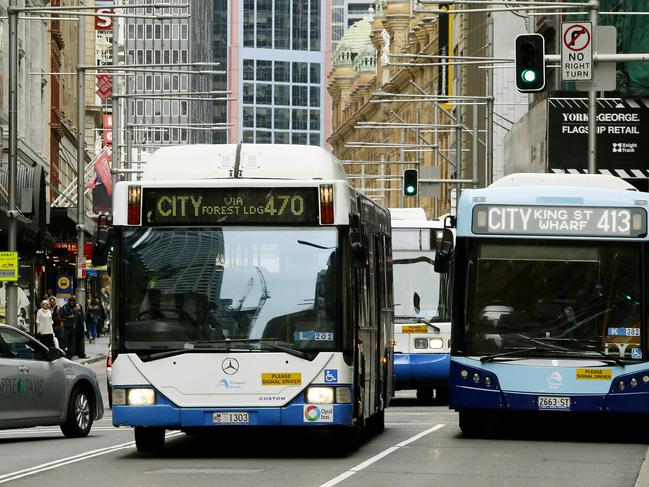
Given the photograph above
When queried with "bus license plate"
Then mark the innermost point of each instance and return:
(231, 418)
(554, 402)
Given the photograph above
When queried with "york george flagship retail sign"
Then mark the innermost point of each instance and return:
(622, 136)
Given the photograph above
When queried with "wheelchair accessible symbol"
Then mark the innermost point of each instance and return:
(331, 375)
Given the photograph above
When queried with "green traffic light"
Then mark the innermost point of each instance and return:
(528, 75)
(410, 189)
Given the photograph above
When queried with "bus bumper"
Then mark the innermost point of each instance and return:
(297, 413)
(421, 370)
(467, 393)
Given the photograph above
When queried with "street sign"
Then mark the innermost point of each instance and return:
(8, 266)
(64, 286)
(576, 51)
(104, 86)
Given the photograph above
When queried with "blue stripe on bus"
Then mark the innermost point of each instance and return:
(166, 414)
(415, 370)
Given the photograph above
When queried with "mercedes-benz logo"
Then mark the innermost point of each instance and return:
(230, 366)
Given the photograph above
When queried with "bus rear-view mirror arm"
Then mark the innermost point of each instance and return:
(444, 252)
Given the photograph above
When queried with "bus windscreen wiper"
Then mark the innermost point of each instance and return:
(171, 353)
(419, 319)
(270, 342)
(585, 347)
(489, 358)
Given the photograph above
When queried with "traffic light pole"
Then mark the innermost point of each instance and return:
(593, 14)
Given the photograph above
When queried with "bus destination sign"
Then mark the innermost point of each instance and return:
(195, 206)
(576, 221)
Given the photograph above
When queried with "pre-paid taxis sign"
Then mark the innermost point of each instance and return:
(594, 374)
(8, 266)
(281, 379)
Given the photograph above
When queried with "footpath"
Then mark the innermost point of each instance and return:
(95, 352)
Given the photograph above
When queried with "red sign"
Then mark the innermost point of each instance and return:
(103, 22)
(104, 86)
(102, 168)
(72, 248)
(108, 129)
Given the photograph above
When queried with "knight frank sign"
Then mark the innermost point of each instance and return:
(622, 136)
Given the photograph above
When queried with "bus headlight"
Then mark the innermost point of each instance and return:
(320, 395)
(436, 343)
(421, 343)
(141, 397)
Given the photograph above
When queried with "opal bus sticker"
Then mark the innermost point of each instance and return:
(414, 329)
(318, 414)
(281, 379)
(594, 374)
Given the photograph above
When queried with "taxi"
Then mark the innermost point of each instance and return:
(40, 387)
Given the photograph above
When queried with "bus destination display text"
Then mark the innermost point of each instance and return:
(191, 206)
(559, 220)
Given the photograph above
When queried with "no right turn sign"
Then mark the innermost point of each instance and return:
(576, 51)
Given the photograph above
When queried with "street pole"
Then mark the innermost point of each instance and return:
(81, 146)
(489, 174)
(12, 176)
(115, 108)
(593, 13)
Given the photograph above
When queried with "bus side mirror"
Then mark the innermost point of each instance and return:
(444, 252)
(100, 242)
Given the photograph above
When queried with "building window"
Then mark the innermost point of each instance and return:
(264, 94)
(314, 120)
(282, 95)
(264, 137)
(140, 32)
(300, 73)
(282, 71)
(314, 26)
(183, 108)
(314, 73)
(248, 69)
(175, 31)
(264, 71)
(149, 32)
(184, 32)
(157, 31)
(281, 137)
(299, 119)
(314, 96)
(248, 93)
(282, 24)
(248, 136)
(131, 31)
(299, 97)
(157, 82)
(265, 23)
(249, 23)
(298, 138)
(282, 119)
(300, 25)
(264, 118)
(248, 116)
(157, 54)
(166, 29)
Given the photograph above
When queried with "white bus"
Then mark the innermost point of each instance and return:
(252, 287)
(422, 305)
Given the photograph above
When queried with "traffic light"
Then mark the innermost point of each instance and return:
(410, 184)
(530, 62)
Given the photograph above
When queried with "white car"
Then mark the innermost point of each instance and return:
(40, 387)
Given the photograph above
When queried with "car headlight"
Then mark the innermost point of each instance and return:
(141, 397)
(119, 397)
(320, 395)
(436, 343)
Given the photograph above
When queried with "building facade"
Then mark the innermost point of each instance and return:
(279, 55)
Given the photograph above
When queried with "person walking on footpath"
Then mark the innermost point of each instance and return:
(57, 324)
(68, 315)
(80, 332)
(94, 319)
(44, 329)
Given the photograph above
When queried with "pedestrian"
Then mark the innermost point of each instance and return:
(44, 329)
(101, 326)
(57, 324)
(94, 319)
(80, 332)
(68, 316)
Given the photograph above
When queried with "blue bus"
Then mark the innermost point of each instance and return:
(422, 310)
(550, 291)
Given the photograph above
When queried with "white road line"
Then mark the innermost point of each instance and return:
(33, 431)
(378, 456)
(68, 460)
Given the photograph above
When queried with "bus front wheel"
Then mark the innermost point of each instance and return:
(473, 423)
(149, 439)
